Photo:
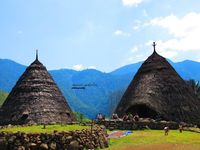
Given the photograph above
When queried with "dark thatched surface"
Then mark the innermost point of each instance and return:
(157, 91)
(35, 99)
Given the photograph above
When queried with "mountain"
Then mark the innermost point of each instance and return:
(188, 69)
(128, 69)
(10, 72)
(3, 96)
(91, 91)
(94, 89)
(64, 79)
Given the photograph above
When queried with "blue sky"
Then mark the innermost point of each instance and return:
(101, 34)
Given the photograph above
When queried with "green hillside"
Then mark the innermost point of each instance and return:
(3, 96)
(102, 91)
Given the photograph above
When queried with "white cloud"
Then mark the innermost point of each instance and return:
(80, 67)
(135, 55)
(130, 3)
(135, 58)
(92, 67)
(185, 32)
(169, 54)
(164, 48)
(121, 33)
(145, 14)
(134, 49)
(137, 25)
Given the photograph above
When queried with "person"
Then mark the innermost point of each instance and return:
(136, 117)
(125, 117)
(115, 116)
(166, 130)
(180, 128)
(99, 117)
(130, 117)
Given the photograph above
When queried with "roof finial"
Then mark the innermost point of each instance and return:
(36, 54)
(154, 46)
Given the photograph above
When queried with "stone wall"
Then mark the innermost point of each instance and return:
(135, 125)
(72, 140)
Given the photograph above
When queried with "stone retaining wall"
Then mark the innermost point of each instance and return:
(133, 125)
(72, 140)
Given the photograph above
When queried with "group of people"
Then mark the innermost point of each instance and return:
(130, 117)
(100, 117)
(166, 129)
(114, 116)
(126, 117)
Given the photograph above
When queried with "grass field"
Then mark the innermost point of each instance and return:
(156, 140)
(139, 140)
(40, 128)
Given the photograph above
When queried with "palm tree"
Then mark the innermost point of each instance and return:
(195, 85)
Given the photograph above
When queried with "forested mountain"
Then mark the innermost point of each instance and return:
(91, 91)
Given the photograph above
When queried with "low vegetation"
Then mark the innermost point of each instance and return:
(81, 118)
(41, 129)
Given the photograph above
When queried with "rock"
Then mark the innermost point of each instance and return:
(74, 145)
(163, 121)
(68, 137)
(21, 148)
(72, 140)
(52, 146)
(111, 128)
(32, 144)
(102, 145)
(44, 146)
(81, 146)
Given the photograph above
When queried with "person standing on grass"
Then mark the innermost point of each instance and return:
(180, 128)
(166, 130)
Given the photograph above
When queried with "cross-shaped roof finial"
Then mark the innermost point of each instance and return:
(154, 46)
(36, 54)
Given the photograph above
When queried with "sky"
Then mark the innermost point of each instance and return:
(98, 34)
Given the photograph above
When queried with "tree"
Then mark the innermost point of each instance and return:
(81, 118)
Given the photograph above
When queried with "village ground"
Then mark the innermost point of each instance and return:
(156, 140)
(138, 140)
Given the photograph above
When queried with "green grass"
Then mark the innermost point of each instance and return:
(155, 137)
(40, 129)
(142, 138)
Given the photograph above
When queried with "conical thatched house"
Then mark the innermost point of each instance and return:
(35, 99)
(158, 91)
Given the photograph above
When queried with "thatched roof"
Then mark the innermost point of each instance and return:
(158, 91)
(35, 99)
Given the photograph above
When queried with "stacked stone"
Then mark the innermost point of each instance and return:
(72, 140)
(142, 124)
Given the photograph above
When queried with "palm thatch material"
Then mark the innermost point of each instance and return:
(35, 99)
(157, 91)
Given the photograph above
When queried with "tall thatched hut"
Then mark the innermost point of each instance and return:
(35, 99)
(157, 91)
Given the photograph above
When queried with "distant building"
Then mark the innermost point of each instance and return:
(157, 91)
(35, 99)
